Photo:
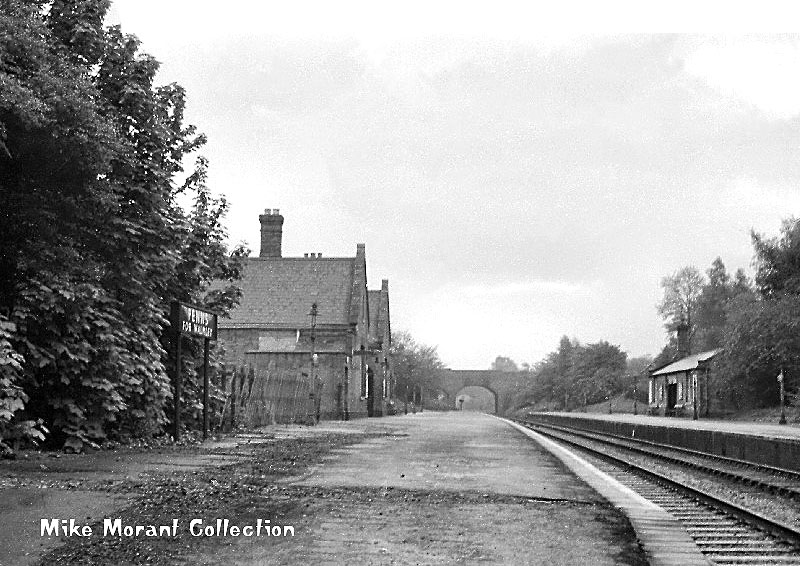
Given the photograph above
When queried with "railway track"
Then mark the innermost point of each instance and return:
(726, 533)
(773, 480)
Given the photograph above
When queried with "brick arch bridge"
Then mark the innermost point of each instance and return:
(502, 384)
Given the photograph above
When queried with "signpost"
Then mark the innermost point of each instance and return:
(193, 321)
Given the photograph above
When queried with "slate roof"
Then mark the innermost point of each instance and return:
(686, 364)
(280, 292)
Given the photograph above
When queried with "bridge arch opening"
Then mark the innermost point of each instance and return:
(476, 398)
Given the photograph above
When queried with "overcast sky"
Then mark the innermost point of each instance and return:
(517, 176)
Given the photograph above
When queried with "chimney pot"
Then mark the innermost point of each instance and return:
(305, 255)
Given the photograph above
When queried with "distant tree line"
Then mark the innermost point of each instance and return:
(94, 242)
(755, 325)
(576, 375)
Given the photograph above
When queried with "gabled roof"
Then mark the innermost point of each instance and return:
(686, 364)
(280, 291)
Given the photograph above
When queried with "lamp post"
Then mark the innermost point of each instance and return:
(313, 373)
(650, 386)
(694, 395)
(384, 386)
(635, 394)
(782, 420)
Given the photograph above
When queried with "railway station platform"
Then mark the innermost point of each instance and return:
(430, 488)
(455, 488)
(763, 443)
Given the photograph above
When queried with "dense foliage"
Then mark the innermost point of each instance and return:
(704, 307)
(95, 245)
(576, 375)
(762, 331)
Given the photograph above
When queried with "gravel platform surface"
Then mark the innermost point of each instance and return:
(430, 488)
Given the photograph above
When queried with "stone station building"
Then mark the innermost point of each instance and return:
(310, 333)
(680, 388)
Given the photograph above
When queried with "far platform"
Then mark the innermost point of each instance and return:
(767, 430)
(763, 443)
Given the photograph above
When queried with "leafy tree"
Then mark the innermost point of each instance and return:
(711, 304)
(414, 365)
(598, 371)
(741, 283)
(681, 292)
(552, 379)
(94, 242)
(762, 337)
(679, 305)
(502, 363)
(778, 260)
(207, 274)
(761, 332)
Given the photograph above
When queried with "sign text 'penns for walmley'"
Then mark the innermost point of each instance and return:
(194, 321)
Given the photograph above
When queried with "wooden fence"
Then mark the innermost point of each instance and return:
(261, 397)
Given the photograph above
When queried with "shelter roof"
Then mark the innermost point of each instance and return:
(686, 364)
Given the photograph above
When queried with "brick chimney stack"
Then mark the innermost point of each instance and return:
(271, 233)
(684, 346)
